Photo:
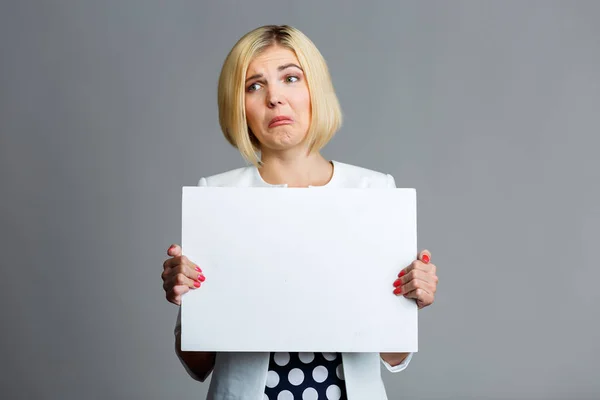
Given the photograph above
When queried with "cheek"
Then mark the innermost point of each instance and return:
(307, 107)
(306, 99)
(251, 112)
(302, 104)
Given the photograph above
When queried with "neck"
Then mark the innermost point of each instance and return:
(297, 169)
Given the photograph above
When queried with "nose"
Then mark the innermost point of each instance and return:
(274, 98)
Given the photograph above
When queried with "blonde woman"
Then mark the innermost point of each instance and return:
(277, 106)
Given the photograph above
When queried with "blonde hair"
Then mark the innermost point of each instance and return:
(325, 109)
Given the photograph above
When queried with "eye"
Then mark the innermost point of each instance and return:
(254, 87)
(292, 78)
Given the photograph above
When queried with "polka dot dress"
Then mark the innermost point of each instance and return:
(305, 376)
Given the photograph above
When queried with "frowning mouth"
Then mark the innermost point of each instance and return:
(280, 120)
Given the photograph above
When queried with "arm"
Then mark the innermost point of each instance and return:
(198, 364)
(179, 276)
(394, 359)
(395, 362)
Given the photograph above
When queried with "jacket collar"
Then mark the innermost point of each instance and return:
(258, 181)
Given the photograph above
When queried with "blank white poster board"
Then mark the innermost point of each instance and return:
(299, 269)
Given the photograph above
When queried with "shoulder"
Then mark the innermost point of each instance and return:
(354, 176)
(345, 175)
(236, 177)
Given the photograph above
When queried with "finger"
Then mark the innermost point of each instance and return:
(169, 274)
(178, 260)
(418, 274)
(175, 293)
(420, 265)
(424, 256)
(174, 250)
(422, 297)
(417, 264)
(172, 262)
(406, 270)
(431, 268)
(414, 285)
(179, 280)
(185, 276)
(187, 270)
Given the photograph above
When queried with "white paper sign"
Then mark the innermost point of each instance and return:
(299, 269)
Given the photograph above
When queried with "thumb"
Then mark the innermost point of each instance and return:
(425, 256)
(174, 250)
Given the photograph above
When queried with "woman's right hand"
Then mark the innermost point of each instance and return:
(179, 275)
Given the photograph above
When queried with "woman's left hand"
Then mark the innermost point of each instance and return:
(418, 281)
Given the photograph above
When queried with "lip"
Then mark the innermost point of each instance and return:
(280, 120)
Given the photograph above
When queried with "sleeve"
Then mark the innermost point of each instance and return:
(177, 332)
(391, 184)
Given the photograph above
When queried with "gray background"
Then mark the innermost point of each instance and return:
(489, 109)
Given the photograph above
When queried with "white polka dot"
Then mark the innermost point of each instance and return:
(306, 357)
(310, 394)
(286, 395)
(272, 379)
(330, 356)
(281, 359)
(296, 376)
(265, 397)
(320, 374)
(334, 392)
(339, 371)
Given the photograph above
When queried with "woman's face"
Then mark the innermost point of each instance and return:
(277, 100)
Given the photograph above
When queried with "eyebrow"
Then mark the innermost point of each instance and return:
(280, 68)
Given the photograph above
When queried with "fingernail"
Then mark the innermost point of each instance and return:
(398, 291)
(198, 269)
(401, 274)
(201, 278)
(425, 258)
(197, 284)
(398, 282)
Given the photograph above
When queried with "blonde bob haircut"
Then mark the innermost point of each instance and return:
(326, 115)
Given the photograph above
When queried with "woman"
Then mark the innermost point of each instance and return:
(278, 107)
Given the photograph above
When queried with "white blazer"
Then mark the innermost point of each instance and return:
(243, 375)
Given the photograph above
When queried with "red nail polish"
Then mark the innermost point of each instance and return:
(398, 290)
(425, 258)
(398, 282)
(201, 278)
(197, 284)
(401, 274)
(198, 269)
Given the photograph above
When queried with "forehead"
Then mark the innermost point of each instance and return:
(271, 58)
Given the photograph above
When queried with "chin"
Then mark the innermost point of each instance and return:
(283, 140)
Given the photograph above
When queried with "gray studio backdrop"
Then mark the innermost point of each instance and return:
(489, 109)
